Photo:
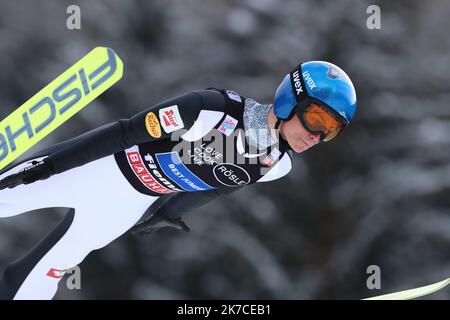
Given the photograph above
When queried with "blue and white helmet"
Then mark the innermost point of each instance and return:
(317, 81)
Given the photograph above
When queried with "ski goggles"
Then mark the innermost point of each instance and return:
(314, 114)
(320, 119)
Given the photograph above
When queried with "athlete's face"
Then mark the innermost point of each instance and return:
(297, 136)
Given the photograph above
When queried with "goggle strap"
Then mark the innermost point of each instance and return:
(277, 124)
(298, 84)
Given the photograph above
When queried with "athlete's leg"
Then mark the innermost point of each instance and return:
(16, 272)
(106, 206)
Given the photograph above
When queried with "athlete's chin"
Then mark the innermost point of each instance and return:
(300, 148)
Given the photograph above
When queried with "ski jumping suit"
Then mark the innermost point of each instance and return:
(109, 176)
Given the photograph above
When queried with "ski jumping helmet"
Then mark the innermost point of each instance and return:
(318, 82)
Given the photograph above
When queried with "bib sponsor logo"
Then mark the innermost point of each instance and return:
(170, 119)
(173, 168)
(231, 175)
(152, 125)
(205, 155)
(297, 82)
(55, 273)
(228, 125)
(141, 172)
(233, 96)
(309, 80)
(154, 170)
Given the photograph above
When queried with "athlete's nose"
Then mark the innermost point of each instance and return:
(314, 137)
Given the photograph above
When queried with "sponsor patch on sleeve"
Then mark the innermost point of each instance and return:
(152, 125)
(228, 125)
(233, 95)
(170, 119)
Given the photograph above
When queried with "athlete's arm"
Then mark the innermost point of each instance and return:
(120, 135)
(175, 206)
(183, 202)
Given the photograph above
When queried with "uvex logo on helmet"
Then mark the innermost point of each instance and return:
(309, 80)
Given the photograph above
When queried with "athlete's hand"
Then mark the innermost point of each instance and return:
(157, 222)
(37, 170)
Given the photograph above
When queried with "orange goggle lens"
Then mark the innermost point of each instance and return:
(319, 119)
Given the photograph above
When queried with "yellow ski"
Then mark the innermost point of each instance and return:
(57, 102)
